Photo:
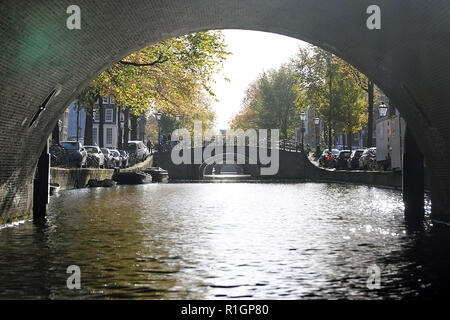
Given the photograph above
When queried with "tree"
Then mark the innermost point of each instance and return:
(197, 110)
(350, 103)
(101, 111)
(166, 75)
(324, 82)
(369, 87)
(126, 129)
(119, 129)
(278, 100)
(86, 100)
(269, 102)
(133, 123)
(316, 76)
(247, 116)
(172, 76)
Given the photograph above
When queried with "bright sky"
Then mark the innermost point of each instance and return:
(252, 53)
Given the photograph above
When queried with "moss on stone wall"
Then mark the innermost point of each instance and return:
(7, 219)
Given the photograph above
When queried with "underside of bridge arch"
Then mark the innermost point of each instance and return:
(408, 59)
(244, 163)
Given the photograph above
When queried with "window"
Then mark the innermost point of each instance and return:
(94, 135)
(108, 115)
(105, 100)
(96, 115)
(91, 150)
(109, 136)
(70, 145)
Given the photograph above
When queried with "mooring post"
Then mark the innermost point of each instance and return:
(41, 190)
(413, 180)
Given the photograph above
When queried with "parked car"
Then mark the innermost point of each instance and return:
(342, 158)
(116, 158)
(96, 158)
(109, 161)
(123, 159)
(368, 158)
(138, 150)
(323, 157)
(327, 159)
(74, 152)
(353, 162)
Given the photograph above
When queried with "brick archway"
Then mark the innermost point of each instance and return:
(407, 58)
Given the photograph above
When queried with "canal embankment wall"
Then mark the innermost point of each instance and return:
(74, 178)
(297, 166)
(386, 179)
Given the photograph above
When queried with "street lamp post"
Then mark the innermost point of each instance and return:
(177, 117)
(303, 118)
(94, 114)
(316, 122)
(158, 117)
(383, 108)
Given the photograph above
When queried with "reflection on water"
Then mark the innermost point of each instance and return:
(239, 240)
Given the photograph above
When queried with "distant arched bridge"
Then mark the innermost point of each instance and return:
(260, 162)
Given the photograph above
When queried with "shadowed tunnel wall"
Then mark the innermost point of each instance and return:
(408, 59)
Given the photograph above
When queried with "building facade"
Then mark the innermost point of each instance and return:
(112, 121)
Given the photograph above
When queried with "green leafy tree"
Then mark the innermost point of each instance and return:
(172, 76)
(323, 81)
(316, 77)
(269, 102)
(166, 75)
(350, 103)
(247, 117)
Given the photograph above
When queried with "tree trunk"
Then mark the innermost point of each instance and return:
(126, 128)
(78, 122)
(370, 87)
(88, 129)
(142, 132)
(89, 125)
(133, 127)
(119, 129)
(100, 124)
(349, 140)
(329, 138)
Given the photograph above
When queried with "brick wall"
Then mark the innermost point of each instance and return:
(407, 59)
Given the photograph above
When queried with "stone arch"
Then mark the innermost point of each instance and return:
(219, 157)
(407, 59)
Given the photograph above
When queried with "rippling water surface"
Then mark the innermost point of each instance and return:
(224, 240)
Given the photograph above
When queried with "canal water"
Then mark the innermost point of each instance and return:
(225, 241)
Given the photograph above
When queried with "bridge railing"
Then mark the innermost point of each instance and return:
(283, 144)
(289, 145)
